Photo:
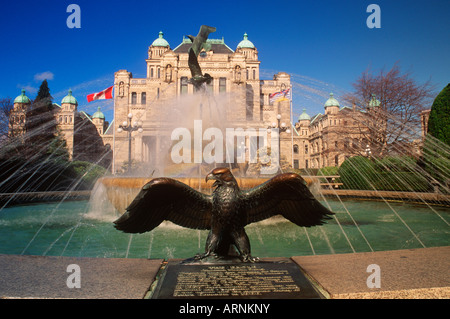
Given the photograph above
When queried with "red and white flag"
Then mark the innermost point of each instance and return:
(103, 95)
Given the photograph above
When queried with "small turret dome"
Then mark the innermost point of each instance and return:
(160, 41)
(69, 98)
(304, 116)
(98, 114)
(22, 98)
(374, 102)
(331, 101)
(246, 43)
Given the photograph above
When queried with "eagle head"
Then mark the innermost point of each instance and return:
(222, 176)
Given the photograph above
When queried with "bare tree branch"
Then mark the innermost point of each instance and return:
(393, 102)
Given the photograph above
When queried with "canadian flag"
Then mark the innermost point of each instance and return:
(103, 95)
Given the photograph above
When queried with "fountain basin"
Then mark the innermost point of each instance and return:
(73, 228)
(121, 191)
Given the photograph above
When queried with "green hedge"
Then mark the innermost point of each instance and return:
(88, 172)
(357, 173)
(389, 174)
(328, 171)
(402, 181)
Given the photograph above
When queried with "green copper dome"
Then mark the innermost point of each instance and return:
(304, 116)
(246, 43)
(98, 114)
(69, 98)
(22, 98)
(160, 42)
(374, 102)
(331, 101)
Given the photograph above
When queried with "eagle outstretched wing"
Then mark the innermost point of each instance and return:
(287, 195)
(166, 199)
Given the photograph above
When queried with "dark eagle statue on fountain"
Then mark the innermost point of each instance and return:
(226, 212)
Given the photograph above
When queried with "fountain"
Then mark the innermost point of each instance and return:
(121, 191)
(365, 221)
(66, 228)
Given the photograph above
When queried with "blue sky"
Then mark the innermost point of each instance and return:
(324, 45)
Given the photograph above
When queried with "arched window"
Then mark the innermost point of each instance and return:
(295, 149)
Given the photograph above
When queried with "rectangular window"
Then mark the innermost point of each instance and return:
(184, 85)
(211, 86)
(133, 97)
(222, 85)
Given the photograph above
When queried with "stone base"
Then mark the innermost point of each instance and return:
(229, 279)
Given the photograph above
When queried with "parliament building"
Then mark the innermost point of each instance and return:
(147, 109)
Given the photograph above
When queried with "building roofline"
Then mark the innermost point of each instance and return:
(211, 41)
(315, 117)
(109, 126)
(87, 116)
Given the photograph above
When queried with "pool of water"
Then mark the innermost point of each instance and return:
(73, 229)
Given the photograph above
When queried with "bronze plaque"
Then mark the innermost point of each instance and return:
(272, 280)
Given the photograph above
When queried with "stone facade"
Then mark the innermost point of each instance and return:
(237, 98)
(153, 102)
(87, 137)
(244, 97)
(328, 139)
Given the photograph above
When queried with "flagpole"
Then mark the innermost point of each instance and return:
(292, 128)
(114, 133)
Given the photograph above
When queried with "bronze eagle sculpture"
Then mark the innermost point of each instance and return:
(226, 212)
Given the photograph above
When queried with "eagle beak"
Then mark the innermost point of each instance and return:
(210, 176)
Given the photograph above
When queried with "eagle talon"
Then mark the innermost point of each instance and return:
(205, 255)
(249, 259)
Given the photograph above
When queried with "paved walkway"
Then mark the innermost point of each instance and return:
(415, 273)
(46, 277)
(412, 273)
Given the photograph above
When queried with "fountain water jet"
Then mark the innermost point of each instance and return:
(120, 191)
